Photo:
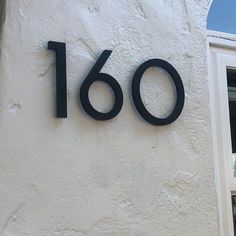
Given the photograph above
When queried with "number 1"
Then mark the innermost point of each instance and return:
(61, 87)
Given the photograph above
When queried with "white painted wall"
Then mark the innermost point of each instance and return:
(124, 177)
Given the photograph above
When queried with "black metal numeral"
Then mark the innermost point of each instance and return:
(96, 75)
(61, 90)
(180, 95)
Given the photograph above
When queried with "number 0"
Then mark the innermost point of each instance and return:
(180, 96)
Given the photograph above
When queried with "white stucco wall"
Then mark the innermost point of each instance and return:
(124, 177)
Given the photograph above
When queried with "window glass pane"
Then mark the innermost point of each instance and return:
(222, 16)
(234, 212)
(231, 80)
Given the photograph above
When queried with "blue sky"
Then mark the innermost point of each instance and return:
(222, 16)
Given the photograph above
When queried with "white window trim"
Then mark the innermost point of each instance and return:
(222, 55)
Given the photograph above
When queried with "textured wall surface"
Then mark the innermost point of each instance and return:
(124, 177)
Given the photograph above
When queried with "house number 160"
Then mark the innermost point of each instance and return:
(96, 75)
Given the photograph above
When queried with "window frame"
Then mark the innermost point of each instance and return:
(222, 55)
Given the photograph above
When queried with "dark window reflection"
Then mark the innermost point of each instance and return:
(234, 212)
(231, 79)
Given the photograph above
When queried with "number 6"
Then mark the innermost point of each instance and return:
(96, 75)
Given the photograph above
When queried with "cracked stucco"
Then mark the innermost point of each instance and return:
(124, 177)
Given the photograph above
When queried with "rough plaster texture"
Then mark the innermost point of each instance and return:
(124, 177)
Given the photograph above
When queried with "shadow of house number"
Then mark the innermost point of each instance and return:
(96, 75)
